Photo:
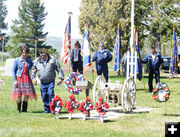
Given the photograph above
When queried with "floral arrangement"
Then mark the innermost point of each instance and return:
(56, 105)
(67, 81)
(101, 107)
(161, 92)
(85, 106)
(71, 104)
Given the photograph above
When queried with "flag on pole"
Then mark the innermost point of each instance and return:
(66, 42)
(86, 49)
(116, 51)
(139, 62)
(173, 63)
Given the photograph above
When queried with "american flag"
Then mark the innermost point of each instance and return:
(66, 42)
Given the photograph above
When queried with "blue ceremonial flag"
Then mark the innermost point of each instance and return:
(116, 51)
(139, 62)
(173, 63)
(86, 49)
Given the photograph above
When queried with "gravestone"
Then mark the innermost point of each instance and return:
(8, 67)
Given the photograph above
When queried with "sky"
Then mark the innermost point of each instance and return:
(56, 19)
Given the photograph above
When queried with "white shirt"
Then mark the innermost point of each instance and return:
(153, 56)
(76, 51)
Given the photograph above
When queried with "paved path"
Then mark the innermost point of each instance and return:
(112, 114)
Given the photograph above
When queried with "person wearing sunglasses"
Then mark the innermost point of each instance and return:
(46, 66)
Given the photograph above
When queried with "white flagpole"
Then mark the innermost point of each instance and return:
(131, 40)
(130, 50)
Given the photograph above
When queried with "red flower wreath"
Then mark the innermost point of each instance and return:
(101, 107)
(85, 106)
(71, 103)
(56, 104)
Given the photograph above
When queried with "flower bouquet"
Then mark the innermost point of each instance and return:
(70, 105)
(85, 107)
(101, 108)
(56, 105)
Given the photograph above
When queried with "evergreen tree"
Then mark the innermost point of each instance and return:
(28, 28)
(3, 14)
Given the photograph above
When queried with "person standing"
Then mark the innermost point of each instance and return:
(76, 58)
(46, 67)
(154, 59)
(22, 81)
(102, 57)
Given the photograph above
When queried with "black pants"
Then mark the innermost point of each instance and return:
(77, 66)
(150, 81)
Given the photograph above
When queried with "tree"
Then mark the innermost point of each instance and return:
(28, 28)
(3, 14)
(103, 17)
(153, 19)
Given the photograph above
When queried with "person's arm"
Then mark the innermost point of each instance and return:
(59, 70)
(14, 70)
(94, 57)
(109, 56)
(161, 59)
(145, 59)
(72, 55)
(33, 71)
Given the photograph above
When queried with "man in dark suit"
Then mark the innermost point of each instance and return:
(154, 59)
(102, 57)
(76, 58)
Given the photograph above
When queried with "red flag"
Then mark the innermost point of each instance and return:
(66, 42)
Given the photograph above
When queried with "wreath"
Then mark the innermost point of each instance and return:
(161, 93)
(67, 81)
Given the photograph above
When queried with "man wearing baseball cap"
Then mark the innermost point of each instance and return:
(102, 57)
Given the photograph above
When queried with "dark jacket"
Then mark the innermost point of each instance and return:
(102, 58)
(80, 62)
(153, 65)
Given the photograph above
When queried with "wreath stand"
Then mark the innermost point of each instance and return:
(84, 85)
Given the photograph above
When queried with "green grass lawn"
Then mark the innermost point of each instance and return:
(36, 124)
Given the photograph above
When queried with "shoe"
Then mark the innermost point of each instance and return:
(46, 112)
(18, 107)
(24, 106)
(150, 91)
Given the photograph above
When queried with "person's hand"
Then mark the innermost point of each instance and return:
(60, 81)
(34, 70)
(35, 82)
(15, 84)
